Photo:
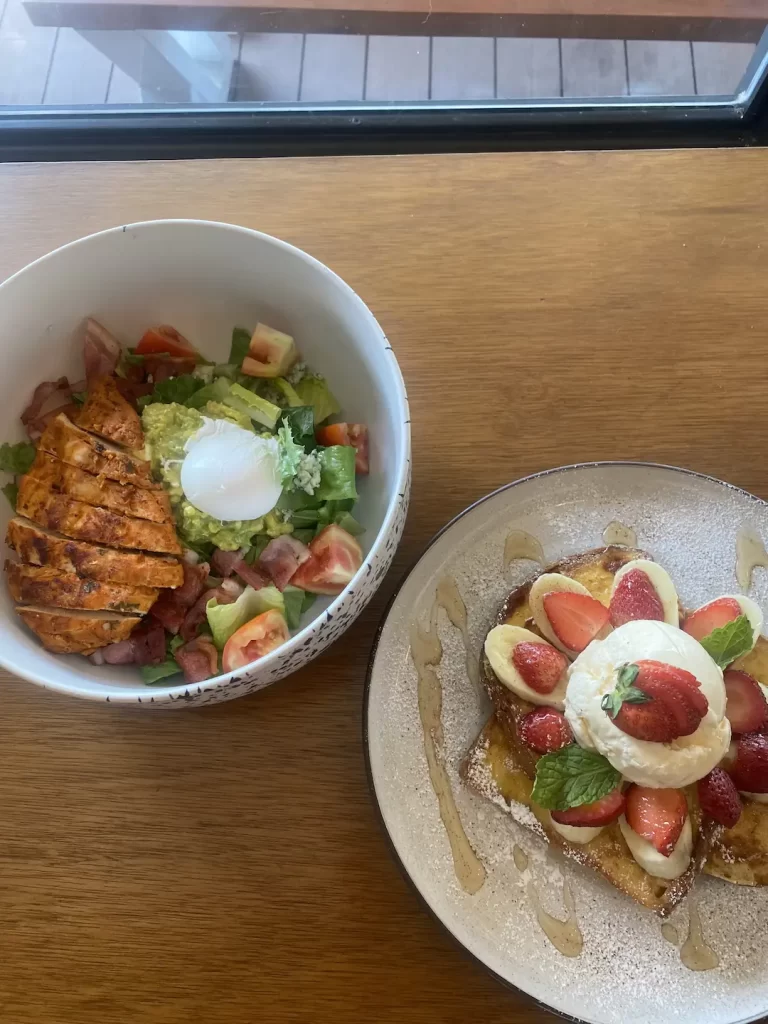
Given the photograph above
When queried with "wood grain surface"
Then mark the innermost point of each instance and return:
(225, 865)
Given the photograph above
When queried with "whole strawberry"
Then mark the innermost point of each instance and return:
(656, 702)
(545, 730)
(719, 797)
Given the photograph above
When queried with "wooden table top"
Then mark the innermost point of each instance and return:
(225, 865)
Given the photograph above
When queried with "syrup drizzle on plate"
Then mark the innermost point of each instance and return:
(565, 935)
(427, 652)
(750, 552)
(669, 932)
(520, 544)
(696, 954)
(617, 533)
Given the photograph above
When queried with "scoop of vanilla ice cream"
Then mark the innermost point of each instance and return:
(658, 765)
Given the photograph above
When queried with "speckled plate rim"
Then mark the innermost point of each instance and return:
(369, 677)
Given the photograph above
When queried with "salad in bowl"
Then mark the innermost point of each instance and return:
(177, 514)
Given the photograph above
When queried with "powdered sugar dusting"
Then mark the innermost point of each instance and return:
(627, 974)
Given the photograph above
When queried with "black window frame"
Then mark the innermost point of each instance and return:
(256, 130)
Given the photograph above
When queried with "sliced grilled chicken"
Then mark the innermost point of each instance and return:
(108, 414)
(39, 546)
(77, 447)
(129, 500)
(87, 522)
(44, 585)
(72, 632)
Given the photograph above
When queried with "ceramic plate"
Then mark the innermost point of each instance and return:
(627, 972)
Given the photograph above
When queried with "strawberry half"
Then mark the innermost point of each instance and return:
(656, 702)
(657, 815)
(634, 598)
(540, 665)
(745, 708)
(575, 618)
(545, 730)
(712, 616)
(749, 771)
(719, 797)
(601, 812)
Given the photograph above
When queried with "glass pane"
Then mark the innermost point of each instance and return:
(109, 52)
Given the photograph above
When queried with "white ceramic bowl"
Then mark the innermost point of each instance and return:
(205, 278)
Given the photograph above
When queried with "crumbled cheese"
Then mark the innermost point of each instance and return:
(297, 373)
(308, 474)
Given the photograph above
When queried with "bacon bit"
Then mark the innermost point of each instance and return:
(133, 390)
(162, 366)
(121, 653)
(250, 574)
(198, 660)
(281, 559)
(148, 641)
(33, 417)
(195, 617)
(172, 606)
(223, 562)
(101, 351)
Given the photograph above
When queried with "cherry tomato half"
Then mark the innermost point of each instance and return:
(255, 639)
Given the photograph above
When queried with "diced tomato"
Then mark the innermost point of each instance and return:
(335, 557)
(354, 434)
(255, 639)
(164, 339)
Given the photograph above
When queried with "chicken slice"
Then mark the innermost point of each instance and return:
(108, 414)
(44, 585)
(87, 522)
(72, 632)
(139, 502)
(78, 448)
(38, 546)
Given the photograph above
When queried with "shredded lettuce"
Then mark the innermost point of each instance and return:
(337, 473)
(226, 619)
(314, 391)
(17, 458)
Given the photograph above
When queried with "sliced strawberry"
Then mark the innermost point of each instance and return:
(719, 797)
(601, 812)
(712, 616)
(635, 597)
(575, 618)
(746, 708)
(750, 769)
(659, 703)
(657, 815)
(540, 665)
(545, 730)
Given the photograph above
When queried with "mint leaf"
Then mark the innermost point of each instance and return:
(571, 777)
(17, 458)
(79, 397)
(729, 642)
(625, 692)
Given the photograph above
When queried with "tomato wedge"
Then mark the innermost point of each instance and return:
(335, 557)
(255, 639)
(354, 434)
(164, 339)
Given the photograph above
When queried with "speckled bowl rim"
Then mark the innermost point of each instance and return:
(369, 676)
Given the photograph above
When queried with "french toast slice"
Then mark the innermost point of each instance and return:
(492, 769)
(501, 767)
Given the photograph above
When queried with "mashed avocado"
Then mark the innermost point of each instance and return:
(167, 428)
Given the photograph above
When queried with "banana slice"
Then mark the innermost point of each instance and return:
(661, 583)
(499, 645)
(579, 834)
(549, 583)
(649, 858)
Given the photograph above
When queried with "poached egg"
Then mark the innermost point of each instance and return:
(230, 473)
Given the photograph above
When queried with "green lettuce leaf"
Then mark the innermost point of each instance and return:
(17, 458)
(241, 339)
(337, 473)
(11, 491)
(349, 523)
(152, 674)
(571, 777)
(730, 641)
(174, 389)
(293, 597)
(301, 420)
(314, 391)
(290, 453)
(226, 619)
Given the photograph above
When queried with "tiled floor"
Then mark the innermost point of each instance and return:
(58, 66)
